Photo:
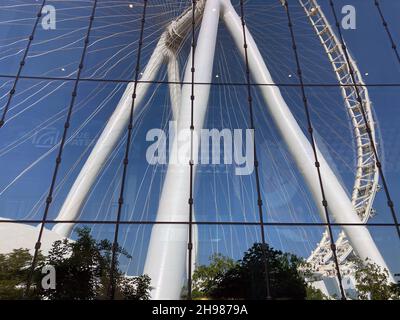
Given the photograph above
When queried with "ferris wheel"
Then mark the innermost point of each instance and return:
(366, 181)
(166, 258)
(367, 176)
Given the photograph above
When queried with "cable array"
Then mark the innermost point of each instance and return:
(244, 223)
(118, 221)
(378, 163)
(388, 32)
(314, 147)
(191, 161)
(256, 163)
(49, 198)
(221, 83)
(115, 245)
(21, 64)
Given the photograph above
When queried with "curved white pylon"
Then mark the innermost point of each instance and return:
(167, 252)
(367, 175)
(341, 207)
(108, 139)
(165, 49)
(174, 85)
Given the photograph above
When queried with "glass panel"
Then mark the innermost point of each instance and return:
(17, 20)
(228, 260)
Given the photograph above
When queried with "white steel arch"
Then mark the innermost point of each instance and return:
(367, 175)
(166, 258)
(165, 51)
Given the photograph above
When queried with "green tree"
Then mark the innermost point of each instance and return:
(306, 272)
(134, 288)
(206, 278)
(372, 282)
(245, 279)
(14, 269)
(83, 269)
(315, 294)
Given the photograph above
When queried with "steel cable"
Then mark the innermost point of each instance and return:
(256, 169)
(314, 147)
(378, 163)
(49, 198)
(21, 64)
(112, 284)
(191, 161)
(388, 32)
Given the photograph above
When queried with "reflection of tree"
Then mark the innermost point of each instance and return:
(245, 279)
(372, 282)
(82, 272)
(206, 279)
(14, 268)
(224, 278)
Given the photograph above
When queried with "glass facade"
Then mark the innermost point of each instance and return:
(96, 184)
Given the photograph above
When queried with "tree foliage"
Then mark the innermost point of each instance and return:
(315, 294)
(83, 269)
(372, 282)
(14, 269)
(134, 288)
(245, 279)
(207, 278)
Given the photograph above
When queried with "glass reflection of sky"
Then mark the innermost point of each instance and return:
(36, 115)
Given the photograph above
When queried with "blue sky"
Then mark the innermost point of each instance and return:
(36, 115)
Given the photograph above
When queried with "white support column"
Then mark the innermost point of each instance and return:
(113, 131)
(299, 146)
(119, 119)
(175, 90)
(167, 253)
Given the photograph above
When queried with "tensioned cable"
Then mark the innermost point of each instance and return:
(81, 79)
(390, 202)
(275, 84)
(314, 147)
(386, 26)
(112, 283)
(191, 161)
(49, 198)
(21, 64)
(245, 223)
(252, 127)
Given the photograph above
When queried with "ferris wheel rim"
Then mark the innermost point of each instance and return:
(364, 190)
